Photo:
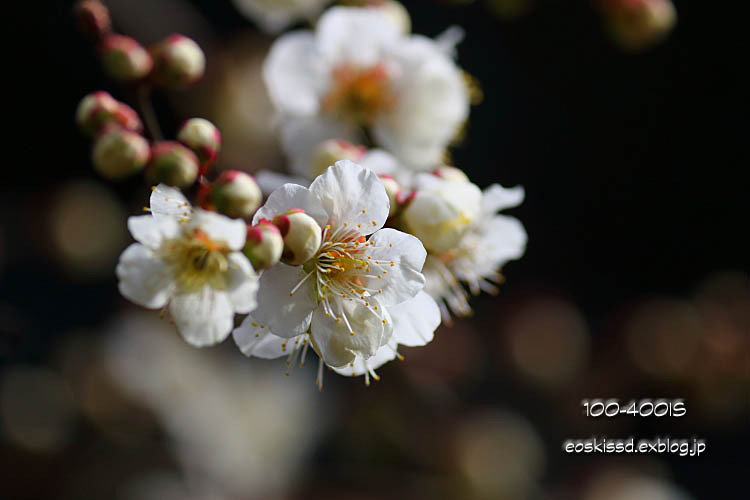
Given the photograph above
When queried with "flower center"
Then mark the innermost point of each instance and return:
(197, 260)
(342, 270)
(359, 94)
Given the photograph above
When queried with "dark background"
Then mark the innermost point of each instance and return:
(636, 185)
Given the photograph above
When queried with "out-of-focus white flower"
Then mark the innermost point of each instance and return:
(231, 425)
(343, 295)
(275, 15)
(356, 72)
(490, 241)
(196, 267)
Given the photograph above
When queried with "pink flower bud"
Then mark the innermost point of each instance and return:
(178, 62)
(118, 153)
(173, 164)
(235, 194)
(302, 236)
(333, 150)
(264, 245)
(92, 18)
(125, 59)
(99, 109)
(202, 137)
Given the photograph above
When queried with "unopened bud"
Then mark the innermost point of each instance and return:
(264, 245)
(392, 189)
(202, 137)
(99, 109)
(125, 59)
(178, 62)
(118, 153)
(637, 24)
(440, 215)
(302, 236)
(173, 164)
(450, 174)
(333, 150)
(235, 194)
(92, 18)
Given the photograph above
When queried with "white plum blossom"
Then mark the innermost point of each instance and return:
(190, 261)
(491, 241)
(414, 324)
(274, 15)
(341, 301)
(357, 72)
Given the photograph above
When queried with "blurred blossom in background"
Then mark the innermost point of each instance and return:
(635, 282)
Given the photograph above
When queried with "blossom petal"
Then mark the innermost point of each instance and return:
(335, 341)
(506, 237)
(243, 283)
(404, 279)
(301, 136)
(433, 103)
(293, 75)
(360, 366)
(415, 321)
(221, 228)
(260, 342)
(169, 202)
(291, 196)
(286, 315)
(354, 195)
(144, 277)
(151, 231)
(496, 198)
(356, 36)
(203, 318)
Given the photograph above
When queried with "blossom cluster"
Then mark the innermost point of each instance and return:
(368, 243)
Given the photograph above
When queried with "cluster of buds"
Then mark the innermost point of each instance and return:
(174, 63)
(638, 24)
(120, 150)
(292, 237)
